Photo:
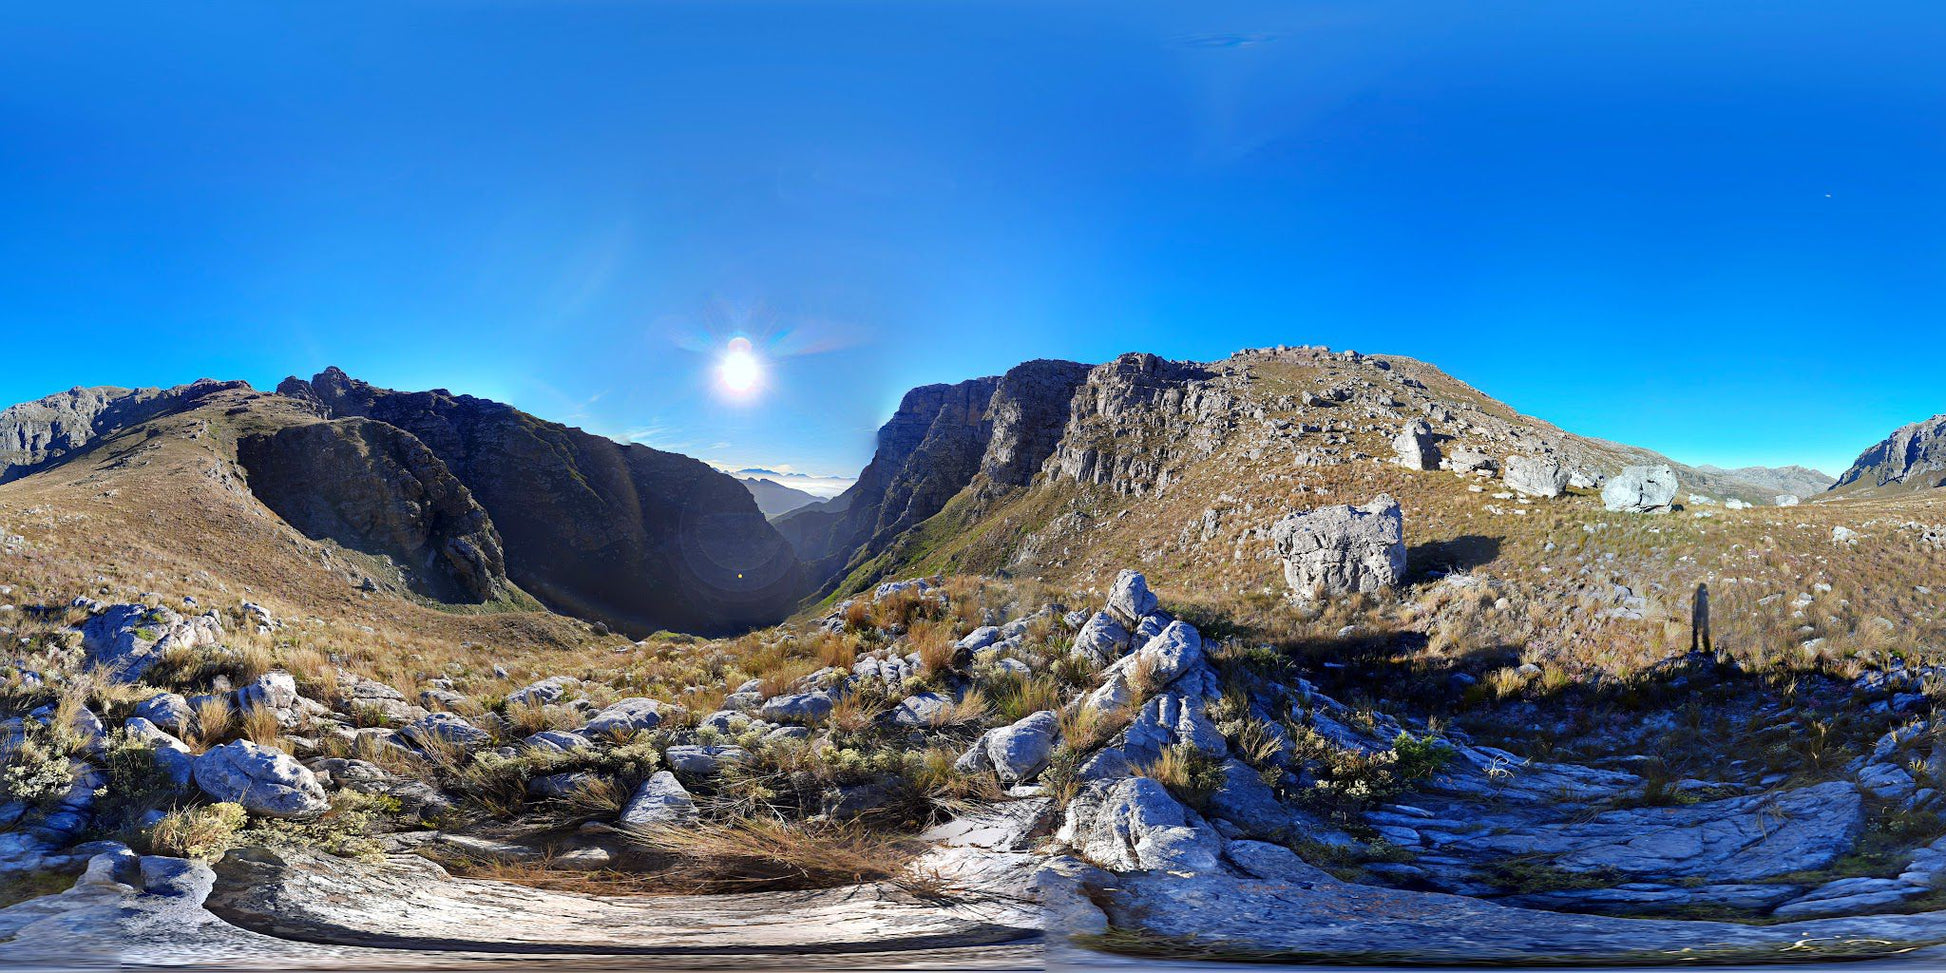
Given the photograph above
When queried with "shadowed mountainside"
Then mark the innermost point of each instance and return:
(615, 532)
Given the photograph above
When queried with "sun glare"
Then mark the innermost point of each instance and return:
(739, 371)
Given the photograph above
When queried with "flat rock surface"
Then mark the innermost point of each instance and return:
(1308, 919)
(410, 903)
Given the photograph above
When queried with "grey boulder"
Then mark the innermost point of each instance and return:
(661, 800)
(264, 780)
(1641, 490)
(1133, 824)
(1343, 549)
(1535, 476)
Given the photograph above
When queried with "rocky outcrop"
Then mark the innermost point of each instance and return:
(263, 780)
(1133, 824)
(1535, 476)
(1135, 418)
(1641, 490)
(38, 434)
(625, 534)
(1028, 410)
(1414, 447)
(943, 436)
(375, 488)
(1912, 458)
(1340, 550)
(125, 640)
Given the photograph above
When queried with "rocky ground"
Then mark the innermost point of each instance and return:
(1108, 773)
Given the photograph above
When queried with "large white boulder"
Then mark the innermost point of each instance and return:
(1343, 549)
(1535, 476)
(1641, 490)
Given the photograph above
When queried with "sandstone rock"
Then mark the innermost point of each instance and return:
(1641, 489)
(1101, 639)
(559, 741)
(171, 756)
(547, 690)
(796, 708)
(1168, 720)
(632, 714)
(435, 728)
(275, 691)
(1130, 598)
(921, 710)
(1133, 824)
(980, 638)
(166, 710)
(1016, 752)
(1536, 476)
(1340, 550)
(125, 640)
(265, 781)
(1787, 500)
(1850, 895)
(702, 760)
(1414, 447)
(661, 800)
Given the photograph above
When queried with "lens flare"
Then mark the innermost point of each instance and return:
(738, 370)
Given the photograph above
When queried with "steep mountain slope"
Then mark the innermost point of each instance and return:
(38, 434)
(1796, 481)
(625, 534)
(1215, 451)
(166, 504)
(774, 498)
(376, 488)
(1912, 458)
(941, 438)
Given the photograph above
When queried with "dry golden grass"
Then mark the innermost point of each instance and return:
(970, 709)
(936, 645)
(766, 854)
(856, 712)
(212, 721)
(258, 724)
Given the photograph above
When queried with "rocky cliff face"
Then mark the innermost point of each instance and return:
(376, 488)
(1138, 415)
(626, 534)
(1029, 409)
(1913, 458)
(939, 441)
(38, 434)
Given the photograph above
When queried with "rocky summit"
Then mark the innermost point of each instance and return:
(1912, 458)
(1302, 656)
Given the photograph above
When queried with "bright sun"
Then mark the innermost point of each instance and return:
(739, 370)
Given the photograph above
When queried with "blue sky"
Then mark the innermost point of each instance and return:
(1712, 229)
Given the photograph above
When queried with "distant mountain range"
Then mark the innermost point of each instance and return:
(1054, 469)
(1797, 481)
(774, 498)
